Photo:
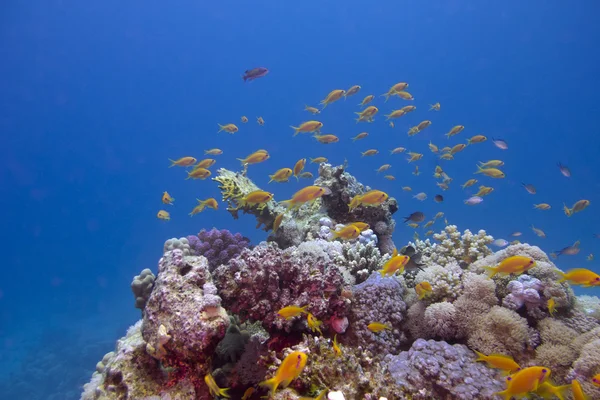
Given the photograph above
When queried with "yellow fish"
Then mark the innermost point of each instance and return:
(336, 347)
(292, 311)
(394, 114)
(423, 124)
(318, 160)
(367, 100)
(596, 380)
(313, 323)
(213, 388)
(551, 304)
(360, 225)
(414, 156)
(499, 361)
(183, 162)
(469, 183)
(398, 150)
(281, 175)
(348, 232)
(458, 148)
(248, 393)
(255, 198)
(277, 221)
(167, 199)
(290, 369)
(307, 127)
(577, 207)
(547, 390)
(580, 276)
(491, 164)
(394, 264)
(408, 109)
(326, 139)
(423, 289)
(210, 203)
(477, 139)
(299, 167)
(383, 168)
(512, 265)
(525, 381)
(198, 173)
(404, 95)
(434, 107)
(542, 206)
(398, 87)
(390, 177)
(206, 163)
(433, 148)
(370, 152)
(371, 198)
(377, 327)
(164, 215)
(455, 131)
(491, 172)
(367, 114)
(484, 191)
(255, 158)
(577, 391)
(213, 152)
(333, 96)
(229, 128)
(361, 135)
(305, 195)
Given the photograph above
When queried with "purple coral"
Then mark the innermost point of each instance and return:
(436, 370)
(378, 299)
(523, 291)
(218, 246)
(261, 281)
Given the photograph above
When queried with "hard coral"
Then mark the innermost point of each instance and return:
(378, 299)
(438, 370)
(218, 246)
(142, 287)
(234, 186)
(343, 188)
(184, 306)
(259, 282)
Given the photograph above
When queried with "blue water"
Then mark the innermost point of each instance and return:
(96, 96)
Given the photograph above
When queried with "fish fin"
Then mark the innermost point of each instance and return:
(296, 129)
(271, 384)
(172, 163)
(491, 271)
(221, 127)
(480, 356)
(563, 276)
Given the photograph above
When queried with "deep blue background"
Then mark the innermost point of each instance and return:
(94, 98)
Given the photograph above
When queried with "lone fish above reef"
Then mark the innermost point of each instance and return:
(252, 74)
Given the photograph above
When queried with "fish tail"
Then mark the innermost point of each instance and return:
(505, 393)
(468, 142)
(491, 271)
(223, 392)
(271, 384)
(296, 129)
(189, 176)
(563, 276)
(174, 164)
(480, 356)
(221, 127)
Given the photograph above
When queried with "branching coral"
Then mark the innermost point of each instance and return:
(455, 247)
(445, 281)
(218, 246)
(234, 186)
(360, 260)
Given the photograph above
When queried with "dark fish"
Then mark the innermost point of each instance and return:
(415, 258)
(438, 198)
(254, 73)
(501, 144)
(564, 170)
(415, 217)
(529, 187)
(569, 250)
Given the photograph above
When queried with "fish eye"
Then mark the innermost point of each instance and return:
(597, 279)
(509, 378)
(544, 370)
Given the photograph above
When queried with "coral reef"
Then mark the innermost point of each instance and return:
(259, 282)
(183, 317)
(142, 287)
(438, 370)
(234, 186)
(182, 244)
(218, 246)
(378, 299)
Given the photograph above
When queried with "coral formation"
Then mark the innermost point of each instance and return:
(218, 246)
(438, 370)
(181, 244)
(142, 287)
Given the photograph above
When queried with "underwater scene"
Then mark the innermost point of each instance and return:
(332, 200)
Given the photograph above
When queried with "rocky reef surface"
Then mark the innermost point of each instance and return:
(211, 309)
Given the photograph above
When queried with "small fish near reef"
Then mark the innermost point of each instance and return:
(290, 369)
(164, 215)
(580, 276)
(524, 381)
(213, 388)
(167, 199)
(183, 162)
(511, 265)
(377, 327)
(349, 232)
(254, 73)
(396, 263)
(292, 311)
(306, 195)
(499, 361)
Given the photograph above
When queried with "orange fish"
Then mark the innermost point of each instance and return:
(423, 289)
(256, 197)
(512, 265)
(299, 167)
(580, 276)
(255, 158)
(333, 96)
(229, 128)
(290, 369)
(183, 162)
(524, 381)
(307, 127)
(198, 173)
(305, 195)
